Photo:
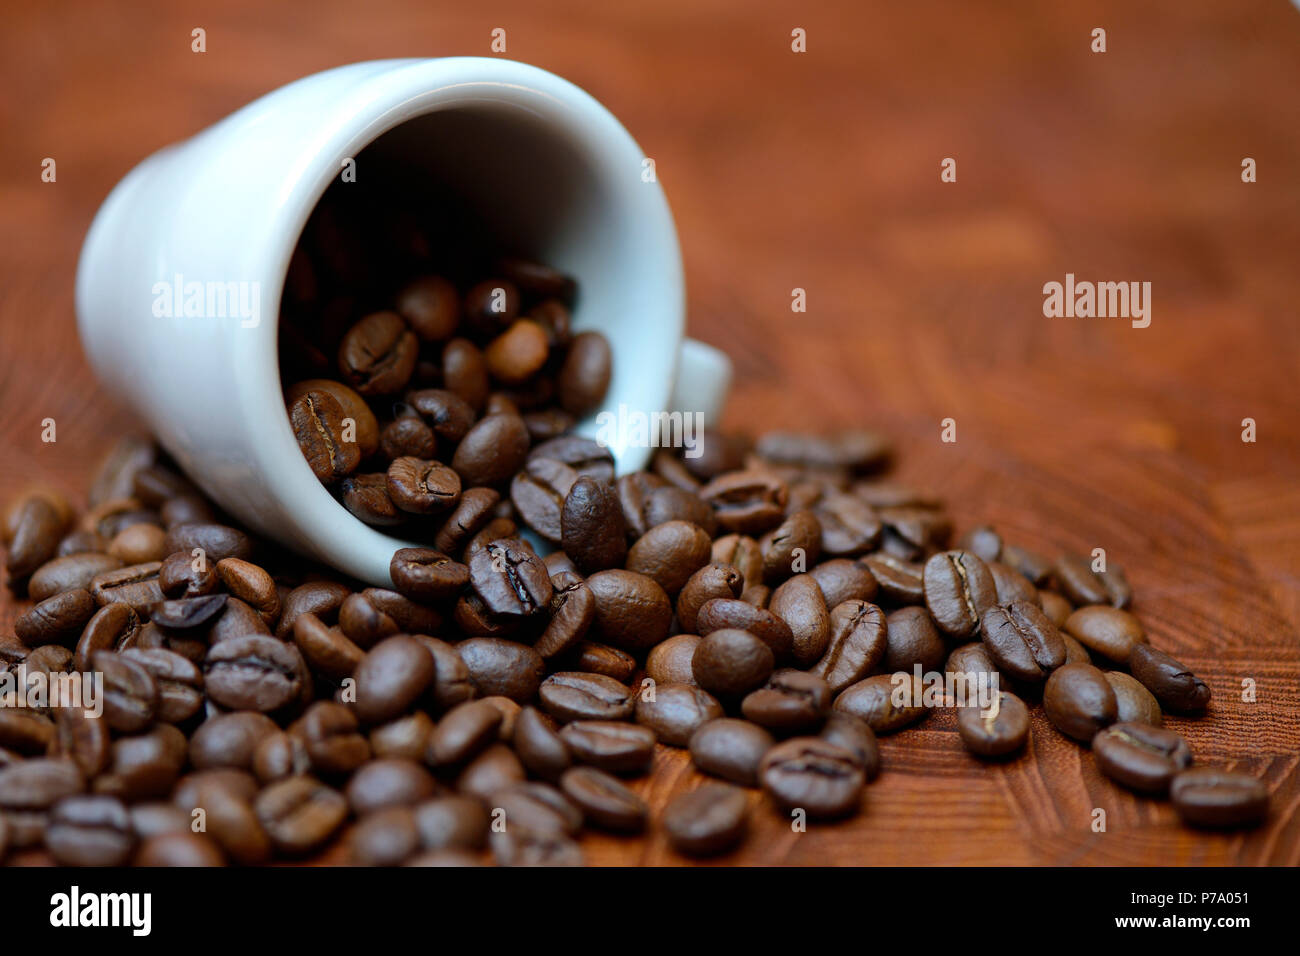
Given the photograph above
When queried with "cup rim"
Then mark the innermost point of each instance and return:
(318, 523)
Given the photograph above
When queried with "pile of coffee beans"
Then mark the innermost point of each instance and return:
(759, 605)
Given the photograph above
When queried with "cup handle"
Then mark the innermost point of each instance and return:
(703, 379)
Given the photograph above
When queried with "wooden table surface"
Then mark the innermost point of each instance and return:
(821, 171)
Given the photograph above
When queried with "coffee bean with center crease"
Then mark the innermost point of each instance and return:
(69, 573)
(849, 526)
(742, 553)
(1207, 797)
(902, 582)
(610, 745)
(746, 502)
(632, 611)
(999, 729)
(179, 682)
(812, 775)
(319, 424)
(538, 493)
(1136, 704)
(82, 738)
(321, 598)
(422, 487)
(280, 755)
(714, 580)
(958, 590)
(332, 738)
(791, 702)
(26, 732)
(452, 821)
(136, 585)
(537, 808)
(384, 838)
(510, 579)
(731, 749)
(300, 814)
(424, 574)
(570, 695)
(229, 740)
(492, 451)
(1107, 631)
(472, 513)
(494, 769)
(216, 541)
(605, 801)
(797, 539)
(326, 650)
(709, 820)
(1079, 701)
(592, 658)
(89, 831)
(800, 603)
(1141, 757)
(873, 700)
(505, 668)
(451, 681)
(1022, 641)
(730, 663)
(255, 673)
(573, 608)
(113, 627)
(669, 554)
(855, 736)
(1172, 683)
(181, 614)
(676, 711)
(592, 529)
(182, 576)
(723, 613)
(1080, 583)
(378, 354)
(858, 639)
(178, 849)
(390, 678)
(130, 692)
(56, 620)
(29, 789)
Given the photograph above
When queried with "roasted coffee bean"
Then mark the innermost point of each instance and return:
(252, 585)
(1034, 567)
(1206, 797)
(746, 502)
(583, 455)
(384, 838)
(216, 541)
(326, 650)
(181, 614)
(229, 740)
(958, 590)
(255, 673)
(632, 611)
(422, 487)
(186, 509)
(300, 814)
(70, 573)
(1136, 704)
(178, 849)
(320, 426)
(1075, 653)
(377, 355)
(89, 831)
(676, 711)
(855, 736)
(80, 542)
(113, 627)
(1020, 639)
(452, 822)
(669, 662)
(130, 692)
(471, 514)
(26, 732)
(492, 451)
(714, 580)
(494, 769)
(407, 736)
(1107, 631)
(138, 544)
(592, 658)
(674, 503)
(538, 744)
(144, 766)
(970, 663)
(321, 598)
(28, 791)
(363, 623)
(81, 737)
(1079, 701)
(813, 775)
(179, 682)
(503, 667)
(731, 662)
(791, 702)
(901, 582)
(573, 608)
(912, 640)
(995, 730)
(423, 574)
(538, 281)
(872, 700)
(157, 818)
(592, 526)
(857, 643)
(729, 613)
(1141, 757)
(1082, 585)
(849, 526)
(490, 306)
(538, 493)
(389, 782)
(451, 681)
(536, 808)
(431, 307)
(365, 428)
(390, 678)
(571, 695)
(33, 535)
(463, 732)
(280, 755)
(498, 529)
(731, 749)
(800, 603)
(1011, 585)
(510, 579)
(584, 377)
(793, 543)
(136, 585)
(407, 437)
(518, 353)
(333, 740)
(604, 801)
(610, 745)
(669, 554)
(114, 476)
(1172, 683)
(983, 542)
(56, 620)
(843, 580)
(229, 819)
(1057, 608)
(742, 553)
(183, 576)
(709, 820)
(465, 372)
(410, 617)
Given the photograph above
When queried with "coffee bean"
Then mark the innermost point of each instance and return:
(26, 732)
(958, 590)
(714, 580)
(843, 580)
(229, 740)
(320, 426)
(82, 738)
(34, 535)
(1136, 704)
(494, 769)
(872, 700)
(855, 736)
(604, 801)
(182, 576)
(216, 541)
(385, 838)
(29, 789)
(407, 736)
(538, 493)
(69, 573)
(1077, 579)
(300, 814)
(326, 650)
(999, 729)
(407, 437)
(422, 487)
(746, 502)
(632, 611)
(584, 376)
(742, 553)
(492, 451)
(280, 755)
(569, 696)
(431, 307)
(730, 662)
(1011, 585)
(849, 526)
(389, 782)
(729, 613)
(912, 640)
(901, 582)
(669, 662)
(410, 617)
(472, 513)
(332, 738)
(255, 673)
(390, 678)
(1172, 683)
(157, 818)
(857, 643)
(56, 620)
(669, 554)
(609, 745)
(178, 849)
(1057, 608)
(1206, 797)
(536, 809)
(573, 609)
(538, 744)
(676, 711)
(1020, 639)
(181, 614)
(800, 603)
(1108, 631)
(377, 355)
(503, 667)
(1079, 701)
(451, 681)
(463, 732)
(709, 820)
(179, 682)
(791, 702)
(452, 822)
(583, 455)
(321, 598)
(424, 574)
(731, 749)
(813, 775)
(510, 579)
(252, 585)
(130, 692)
(89, 831)
(1141, 757)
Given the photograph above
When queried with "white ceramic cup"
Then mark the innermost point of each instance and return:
(536, 159)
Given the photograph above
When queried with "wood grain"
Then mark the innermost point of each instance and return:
(820, 171)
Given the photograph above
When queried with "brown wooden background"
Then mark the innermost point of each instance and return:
(822, 171)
